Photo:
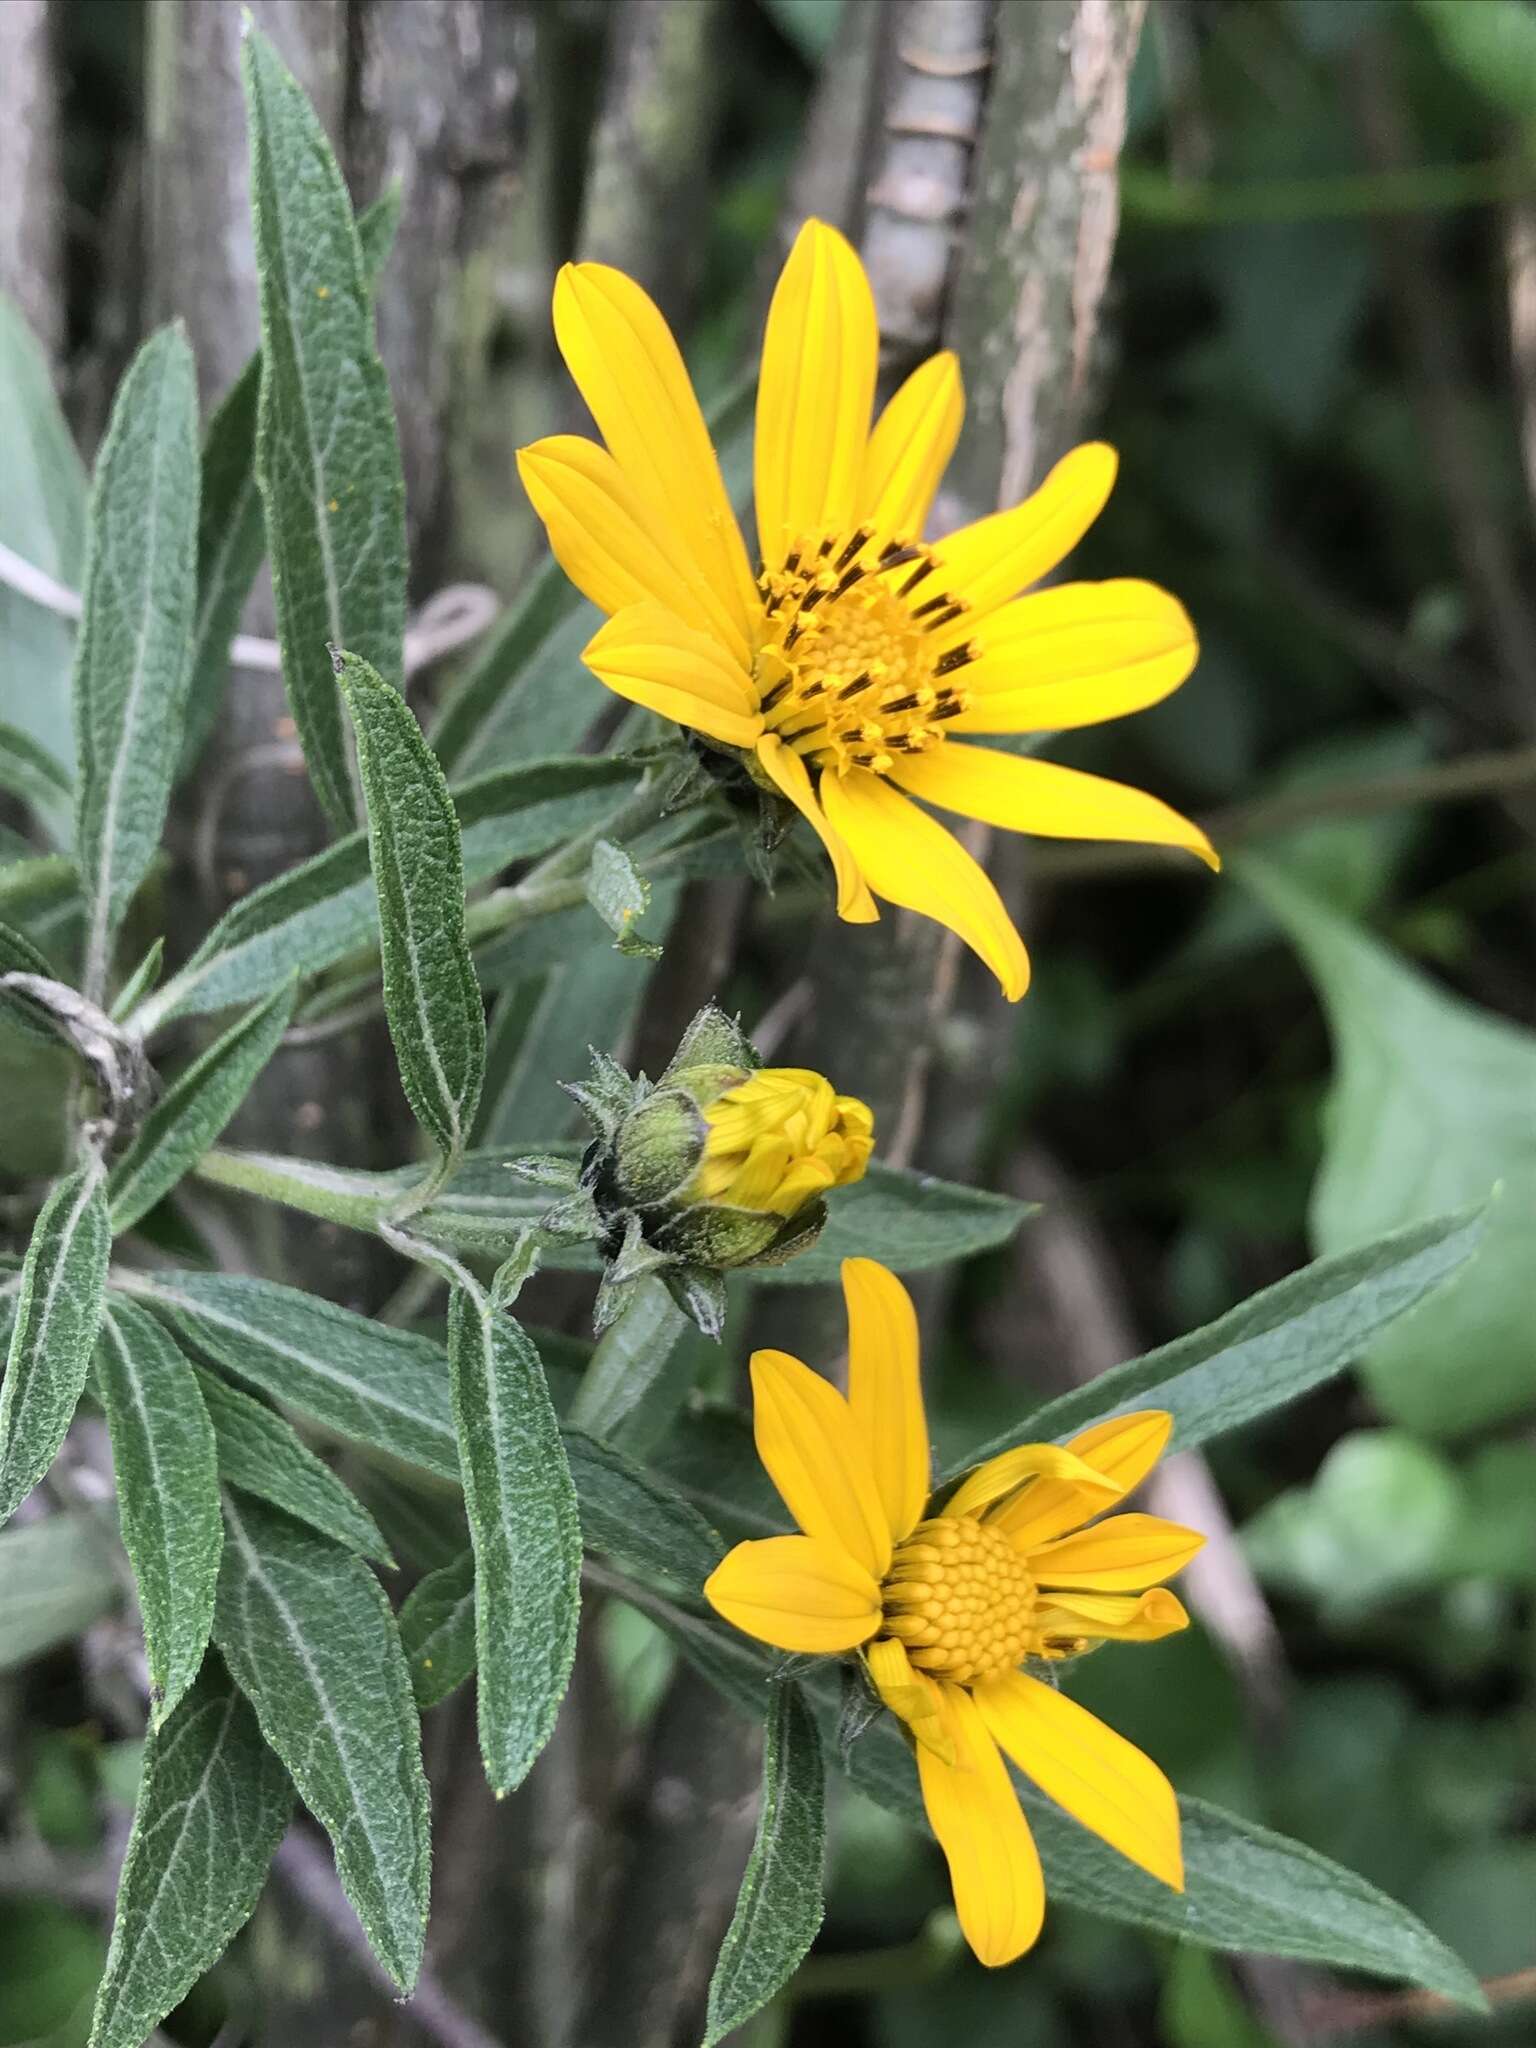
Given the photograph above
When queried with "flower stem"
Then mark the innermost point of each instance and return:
(629, 1363)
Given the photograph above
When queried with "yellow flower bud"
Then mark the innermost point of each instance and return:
(779, 1141)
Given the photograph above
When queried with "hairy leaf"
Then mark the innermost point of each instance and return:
(18, 955)
(308, 1634)
(30, 772)
(168, 1493)
(431, 996)
(58, 1312)
(57, 1576)
(192, 1113)
(523, 1523)
(1271, 1349)
(437, 1627)
(327, 455)
(212, 1807)
(780, 1905)
(132, 657)
(260, 1454)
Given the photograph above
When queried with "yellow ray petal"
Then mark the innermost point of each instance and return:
(1023, 795)
(987, 563)
(647, 654)
(1112, 1617)
(1123, 1449)
(607, 543)
(815, 392)
(911, 1695)
(796, 1594)
(854, 902)
(885, 1390)
(628, 368)
(1011, 1469)
(814, 1456)
(974, 1811)
(910, 859)
(1075, 655)
(1120, 1555)
(1100, 1778)
(910, 448)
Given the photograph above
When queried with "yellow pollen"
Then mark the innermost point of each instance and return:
(851, 673)
(958, 1596)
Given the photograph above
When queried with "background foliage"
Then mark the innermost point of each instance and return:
(1318, 358)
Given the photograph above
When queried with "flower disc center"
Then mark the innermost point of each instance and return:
(849, 672)
(958, 1596)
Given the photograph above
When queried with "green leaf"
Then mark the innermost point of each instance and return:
(213, 1805)
(1245, 1888)
(327, 455)
(168, 1493)
(431, 996)
(780, 1905)
(437, 1628)
(505, 706)
(192, 1113)
(42, 517)
(523, 1523)
(58, 1312)
(260, 1454)
(630, 1515)
(909, 1221)
(18, 955)
(620, 895)
(1493, 45)
(327, 908)
(1271, 1349)
(1430, 1105)
(384, 1388)
(140, 981)
(57, 1576)
(30, 772)
(132, 656)
(310, 1639)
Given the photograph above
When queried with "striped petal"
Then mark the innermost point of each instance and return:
(1023, 795)
(911, 1695)
(1123, 1450)
(909, 859)
(885, 1391)
(629, 370)
(792, 778)
(1073, 656)
(606, 542)
(1101, 1779)
(1013, 1469)
(910, 448)
(796, 1594)
(995, 558)
(1110, 1617)
(815, 393)
(813, 1454)
(994, 1867)
(647, 654)
(1120, 1555)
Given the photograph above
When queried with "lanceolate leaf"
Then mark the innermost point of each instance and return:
(213, 1804)
(319, 912)
(909, 1221)
(309, 1636)
(230, 535)
(58, 1313)
(431, 996)
(523, 1522)
(168, 1493)
(780, 1905)
(57, 1576)
(192, 1113)
(29, 771)
(384, 1388)
(437, 1627)
(260, 1454)
(1264, 1354)
(327, 457)
(18, 955)
(131, 660)
(629, 1514)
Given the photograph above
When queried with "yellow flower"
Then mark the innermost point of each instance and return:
(846, 668)
(949, 1601)
(781, 1140)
